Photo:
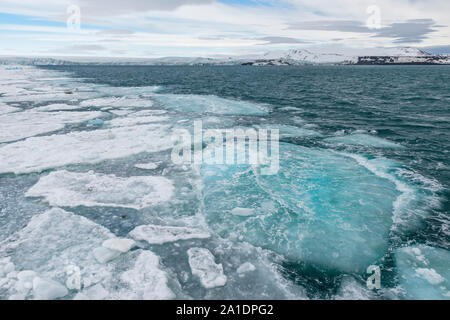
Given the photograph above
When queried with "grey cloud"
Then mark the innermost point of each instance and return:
(331, 25)
(211, 38)
(279, 40)
(410, 31)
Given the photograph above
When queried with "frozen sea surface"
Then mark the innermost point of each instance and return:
(93, 207)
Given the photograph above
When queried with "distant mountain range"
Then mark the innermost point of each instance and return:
(340, 56)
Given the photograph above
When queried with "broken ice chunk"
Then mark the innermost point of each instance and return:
(119, 244)
(71, 189)
(147, 166)
(246, 267)
(146, 280)
(203, 266)
(44, 289)
(104, 255)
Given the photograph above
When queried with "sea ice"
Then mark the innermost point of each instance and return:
(19, 125)
(424, 272)
(203, 266)
(39, 153)
(4, 108)
(113, 102)
(132, 121)
(246, 267)
(154, 234)
(71, 189)
(147, 166)
(95, 292)
(104, 255)
(52, 242)
(44, 289)
(121, 112)
(119, 244)
(59, 247)
(146, 280)
(56, 107)
(53, 94)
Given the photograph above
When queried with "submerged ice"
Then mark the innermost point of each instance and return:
(424, 272)
(321, 208)
(209, 104)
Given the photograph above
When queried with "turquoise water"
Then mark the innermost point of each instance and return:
(364, 176)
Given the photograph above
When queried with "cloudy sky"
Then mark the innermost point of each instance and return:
(156, 28)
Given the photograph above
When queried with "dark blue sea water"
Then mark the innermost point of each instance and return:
(364, 176)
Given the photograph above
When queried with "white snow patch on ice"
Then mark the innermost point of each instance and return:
(71, 189)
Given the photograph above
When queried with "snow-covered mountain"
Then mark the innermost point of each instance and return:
(305, 56)
(337, 55)
(323, 55)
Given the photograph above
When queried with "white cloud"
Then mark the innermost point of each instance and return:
(190, 26)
